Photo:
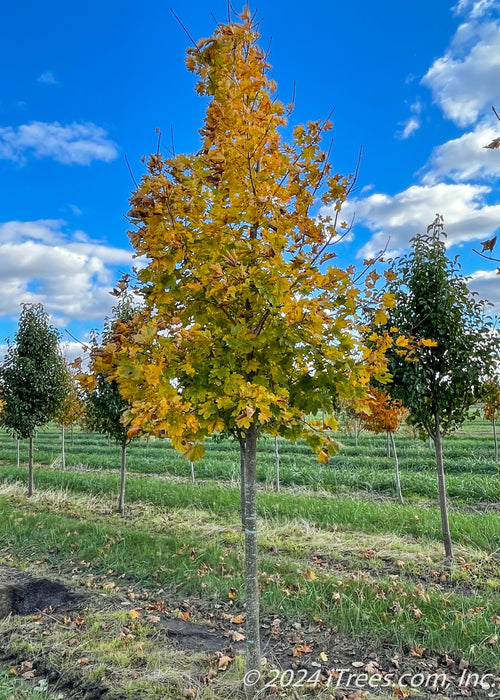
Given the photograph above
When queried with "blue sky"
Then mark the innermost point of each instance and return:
(85, 84)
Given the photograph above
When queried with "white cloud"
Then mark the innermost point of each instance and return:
(410, 126)
(466, 158)
(70, 276)
(47, 78)
(474, 8)
(413, 123)
(465, 81)
(486, 284)
(399, 217)
(67, 144)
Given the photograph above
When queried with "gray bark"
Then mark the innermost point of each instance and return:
(277, 462)
(63, 450)
(123, 473)
(18, 453)
(495, 440)
(192, 471)
(443, 504)
(30, 467)
(249, 452)
(396, 465)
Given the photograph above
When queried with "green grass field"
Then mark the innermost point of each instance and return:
(337, 551)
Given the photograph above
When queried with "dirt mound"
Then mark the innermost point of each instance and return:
(23, 594)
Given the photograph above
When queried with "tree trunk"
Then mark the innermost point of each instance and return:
(63, 451)
(18, 454)
(396, 465)
(192, 471)
(109, 440)
(388, 445)
(123, 473)
(277, 462)
(30, 468)
(249, 450)
(242, 482)
(72, 437)
(356, 431)
(495, 441)
(443, 505)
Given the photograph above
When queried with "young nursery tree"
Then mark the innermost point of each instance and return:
(246, 327)
(383, 414)
(70, 410)
(491, 408)
(437, 384)
(104, 403)
(32, 382)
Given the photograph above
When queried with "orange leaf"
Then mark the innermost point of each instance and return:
(135, 614)
(238, 619)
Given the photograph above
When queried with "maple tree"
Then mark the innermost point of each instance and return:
(437, 384)
(71, 408)
(491, 408)
(383, 414)
(246, 325)
(31, 378)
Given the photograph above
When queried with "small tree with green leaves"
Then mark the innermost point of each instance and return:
(32, 382)
(104, 404)
(437, 384)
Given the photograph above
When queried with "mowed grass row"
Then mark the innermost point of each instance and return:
(472, 474)
(480, 530)
(195, 551)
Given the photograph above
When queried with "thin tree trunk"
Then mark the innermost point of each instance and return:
(356, 431)
(396, 465)
(192, 471)
(443, 504)
(123, 473)
(18, 453)
(388, 445)
(242, 483)
(72, 438)
(249, 445)
(109, 440)
(30, 467)
(277, 461)
(63, 450)
(495, 441)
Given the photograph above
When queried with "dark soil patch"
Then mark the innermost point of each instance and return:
(23, 594)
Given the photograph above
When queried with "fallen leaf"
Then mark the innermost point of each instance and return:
(492, 641)
(235, 636)
(323, 656)
(183, 616)
(190, 693)
(401, 692)
(301, 649)
(496, 619)
(309, 575)
(416, 651)
(224, 662)
(135, 614)
(372, 667)
(238, 619)
(13, 671)
(83, 661)
(153, 618)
